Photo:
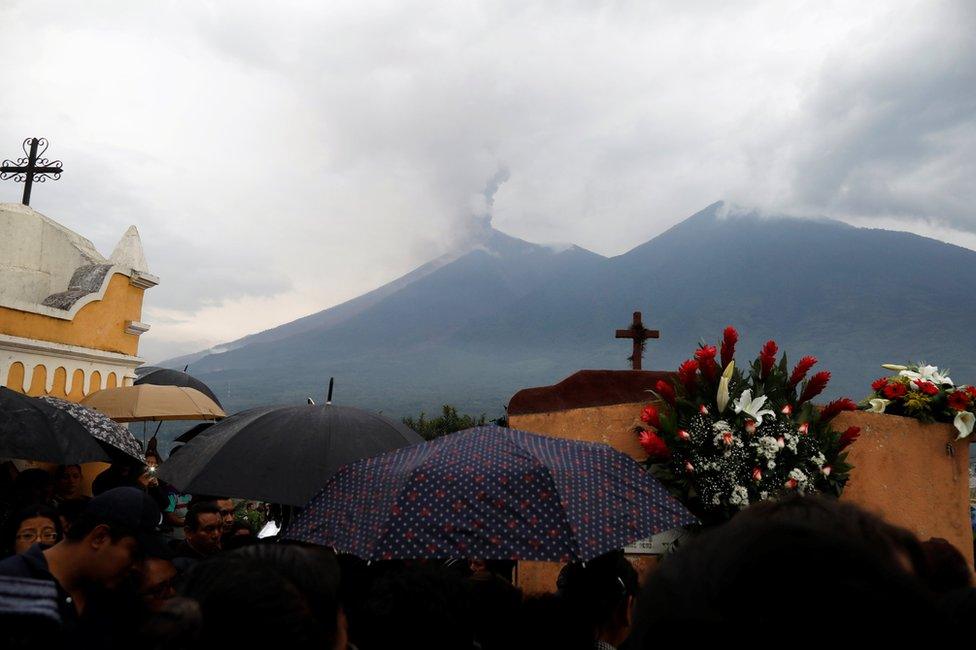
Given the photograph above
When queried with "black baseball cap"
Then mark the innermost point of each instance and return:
(135, 511)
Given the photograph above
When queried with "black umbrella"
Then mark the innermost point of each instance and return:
(32, 429)
(281, 454)
(193, 432)
(168, 377)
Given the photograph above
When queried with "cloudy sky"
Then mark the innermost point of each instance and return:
(279, 158)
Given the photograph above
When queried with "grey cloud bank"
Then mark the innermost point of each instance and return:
(280, 159)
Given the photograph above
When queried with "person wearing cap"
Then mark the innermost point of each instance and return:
(113, 533)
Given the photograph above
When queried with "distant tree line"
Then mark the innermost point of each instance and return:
(447, 422)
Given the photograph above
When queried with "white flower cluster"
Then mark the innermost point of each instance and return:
(740, 496)
(801, 479)
(791, 441)
(767, 447)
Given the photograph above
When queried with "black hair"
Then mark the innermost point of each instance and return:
(944, 569)
(548, 621)
(36, 510)
(72, 509)
(828, 514)
(417, 607)
(599, 588)
(60, 470)
(312, 569)
(246, 602)
(30, 481)
(205, 498)
(782, 568)
(192, 520)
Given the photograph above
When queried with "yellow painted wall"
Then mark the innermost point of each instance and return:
(99, 324)
(15, 381)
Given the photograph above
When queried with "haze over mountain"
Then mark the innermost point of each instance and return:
(472, 328)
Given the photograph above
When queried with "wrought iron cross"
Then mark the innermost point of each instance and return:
(32, 167)
(639, 334)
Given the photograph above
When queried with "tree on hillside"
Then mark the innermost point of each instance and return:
(447, 422)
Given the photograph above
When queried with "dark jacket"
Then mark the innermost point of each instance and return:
(33, 564)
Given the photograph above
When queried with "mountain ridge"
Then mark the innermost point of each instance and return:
(480, 326)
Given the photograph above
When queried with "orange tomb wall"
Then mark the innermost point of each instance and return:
(903, 470)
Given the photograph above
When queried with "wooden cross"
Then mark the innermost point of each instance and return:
(639, 334)
(32, 167)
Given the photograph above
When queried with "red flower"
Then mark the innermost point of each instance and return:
(666, 391)
(804, 428)
(689, 467)
(654, 445)
(849, 436)
(687, 372)
(684, 435)
(786, 410)
(791, 484)
(837, 407)
(878, 384)
(750, 426)
(756, 474)
(801, 369)
(705, 356)
(729, 338)
(767, 357)
(927, 387)
(650, 416)
(895, 390)
(971, 391)
(814, 387)
(959, 400)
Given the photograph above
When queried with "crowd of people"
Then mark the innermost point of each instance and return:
(138, 564)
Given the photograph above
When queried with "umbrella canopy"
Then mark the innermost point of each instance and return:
(101, 427)
(281, 454)
(193, 432)
(33, 429)
(151, 402)
(490, 493)
(168, 377)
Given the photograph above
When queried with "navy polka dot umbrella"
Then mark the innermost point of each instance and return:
(489, 493)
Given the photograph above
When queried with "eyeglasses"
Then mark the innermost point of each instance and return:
(46, 535)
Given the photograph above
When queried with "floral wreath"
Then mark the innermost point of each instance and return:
(925, 393)
(722, 439)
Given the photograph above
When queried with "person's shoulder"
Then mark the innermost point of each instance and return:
(15, 566)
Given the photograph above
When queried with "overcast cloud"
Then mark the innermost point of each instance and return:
(279, 158)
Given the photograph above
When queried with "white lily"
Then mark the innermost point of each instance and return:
(926, 373)
(964, 422)
(752, 407)
(893, 366)
(722, 397)
(878, 405)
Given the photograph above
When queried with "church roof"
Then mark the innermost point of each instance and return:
(48, 268)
